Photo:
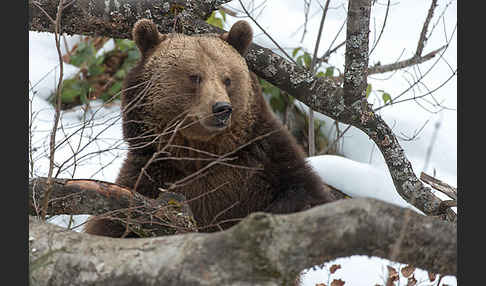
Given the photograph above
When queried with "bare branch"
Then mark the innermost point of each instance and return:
(377, 40)
(57, 114)
(439, 185)
(423, 38)
(312, 145)
(339, 136)
(228, 11)
(168, 214)
(415, 60)
(265, 32)
(307, 4)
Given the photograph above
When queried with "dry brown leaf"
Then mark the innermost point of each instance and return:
(408, 270)
(334, 268)
(320, 284)
(412, 281)
(337, 282)
(392, 273)
(432, 276)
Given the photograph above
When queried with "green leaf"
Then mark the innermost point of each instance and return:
(300, 60)
(223, 14)
(115, 88)
(85, 53)
(215, 21)
(99, 60)
(133, 55)
(124, 44)
(268, 88)
(330, 71)
(277, 103)
(386, 97)
(94, 70)
(291, 100)
(72, 89)
(295, 51)
(368, 90)
(84, 97)
(120, 74)
(320, 74)
(307, 60)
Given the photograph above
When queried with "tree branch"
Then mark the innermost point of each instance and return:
(262, 249)
(423, 37)
(168, 214)
(57, 114)
(356, 55)
(439, 185)
(415, 60)
(115, 19)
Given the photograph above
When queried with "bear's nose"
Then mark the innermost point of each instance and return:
(222, 110)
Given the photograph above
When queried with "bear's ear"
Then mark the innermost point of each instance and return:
(239, 36)
(146, 35)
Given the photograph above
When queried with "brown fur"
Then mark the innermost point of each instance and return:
(173, 87)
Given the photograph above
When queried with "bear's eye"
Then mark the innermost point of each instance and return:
(227, 81)
(195, 78)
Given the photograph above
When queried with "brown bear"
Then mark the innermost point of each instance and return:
(196, 123)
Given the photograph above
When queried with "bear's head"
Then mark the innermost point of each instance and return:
(200, 85)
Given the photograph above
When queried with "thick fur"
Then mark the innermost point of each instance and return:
(172, 89)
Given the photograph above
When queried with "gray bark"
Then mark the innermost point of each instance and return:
(263, 249)
(115, 18)
(166, 215)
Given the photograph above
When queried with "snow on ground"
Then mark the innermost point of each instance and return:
(362, 180)
(101, 158)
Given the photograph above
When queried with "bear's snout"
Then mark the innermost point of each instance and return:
(222, 111)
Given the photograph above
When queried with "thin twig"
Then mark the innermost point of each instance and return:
(311, 139)
(382, 28)
(431, 145)
(265, 32)
(307, 5)
(403, 64)
(440, 186)
(36, 4)
(57, 114)
(228, 11)
(335, 141)
(220, 159)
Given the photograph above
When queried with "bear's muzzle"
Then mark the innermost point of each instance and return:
(222, 112)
